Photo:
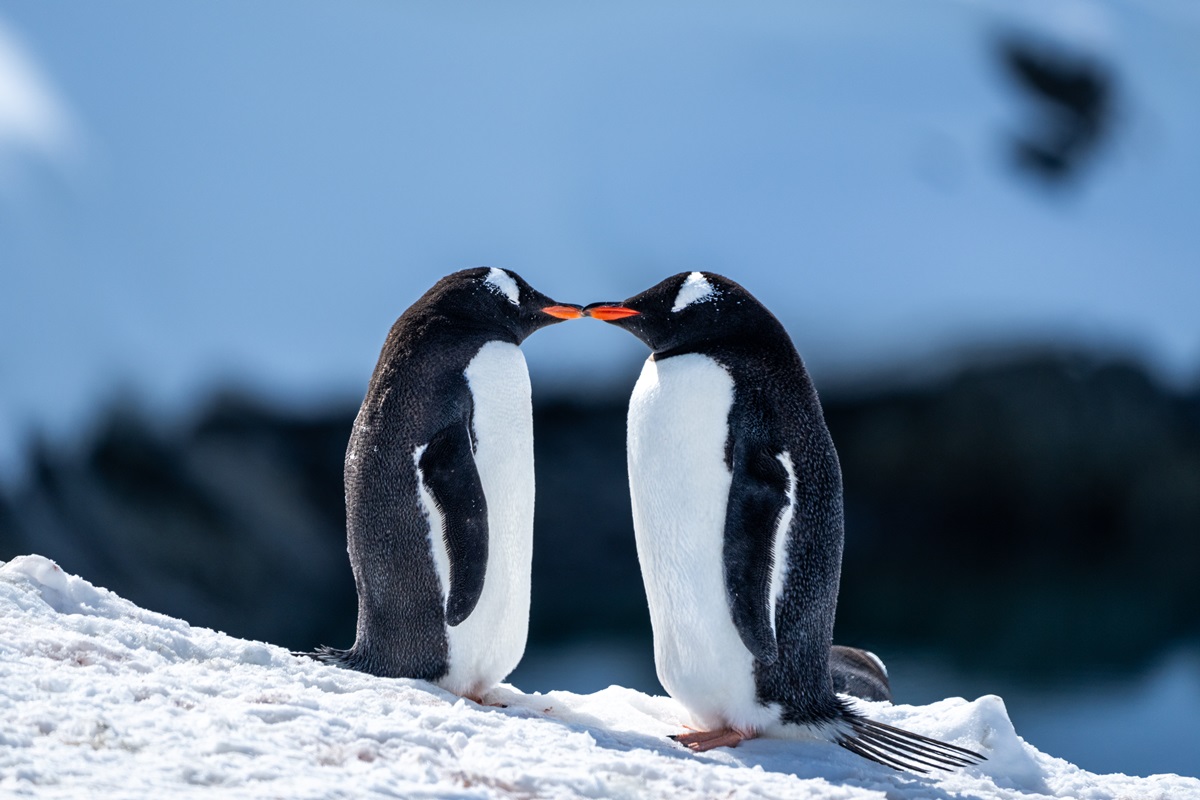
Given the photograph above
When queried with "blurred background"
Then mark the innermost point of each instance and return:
(980, 222)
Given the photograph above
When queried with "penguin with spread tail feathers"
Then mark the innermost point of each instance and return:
(737, 510)
(440, 487)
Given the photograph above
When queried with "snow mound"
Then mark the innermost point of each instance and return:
(100, 698)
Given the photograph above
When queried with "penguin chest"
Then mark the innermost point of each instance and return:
(679, 485)
(487, 645)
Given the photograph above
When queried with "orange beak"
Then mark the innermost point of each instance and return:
(609, 313)
(563, 312)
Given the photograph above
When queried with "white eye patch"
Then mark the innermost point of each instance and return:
(500, 281)
(695, 289)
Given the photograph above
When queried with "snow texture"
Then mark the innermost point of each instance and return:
(102, 699)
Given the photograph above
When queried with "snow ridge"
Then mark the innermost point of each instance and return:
(102, 699)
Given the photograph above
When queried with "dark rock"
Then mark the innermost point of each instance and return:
(1071, 98)
(1026, 516)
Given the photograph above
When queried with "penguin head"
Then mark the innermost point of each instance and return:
(498, 301)
(685, 310)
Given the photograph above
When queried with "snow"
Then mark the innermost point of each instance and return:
(101, 698)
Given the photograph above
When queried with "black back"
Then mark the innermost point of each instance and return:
(418, 395)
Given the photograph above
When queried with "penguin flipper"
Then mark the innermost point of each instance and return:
(449, 472)
(757, 496)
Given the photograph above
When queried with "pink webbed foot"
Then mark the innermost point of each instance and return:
(479, 700)
(699, 741)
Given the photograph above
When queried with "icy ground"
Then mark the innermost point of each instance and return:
(102, 699)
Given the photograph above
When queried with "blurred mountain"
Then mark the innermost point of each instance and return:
(233, 522)
(1035, 515)
(1038, 515)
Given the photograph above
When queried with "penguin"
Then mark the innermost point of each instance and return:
(440, 487)
(737, 511)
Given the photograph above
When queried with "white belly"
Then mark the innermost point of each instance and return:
(487, 645)
(679, 484)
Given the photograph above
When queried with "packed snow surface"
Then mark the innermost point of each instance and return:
(100, 698)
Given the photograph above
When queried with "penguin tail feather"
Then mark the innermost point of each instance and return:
(327, 655)
(901, 749)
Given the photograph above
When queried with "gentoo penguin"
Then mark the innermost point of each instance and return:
(439, 487)
(737, 513)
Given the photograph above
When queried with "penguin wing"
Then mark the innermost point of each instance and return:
(449, 472)
(757, 497)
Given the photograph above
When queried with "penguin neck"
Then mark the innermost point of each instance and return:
(746, 337)
(719, 348)
(469, 327)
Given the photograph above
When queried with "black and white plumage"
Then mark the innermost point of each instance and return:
(737, 506)
(440, 487)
